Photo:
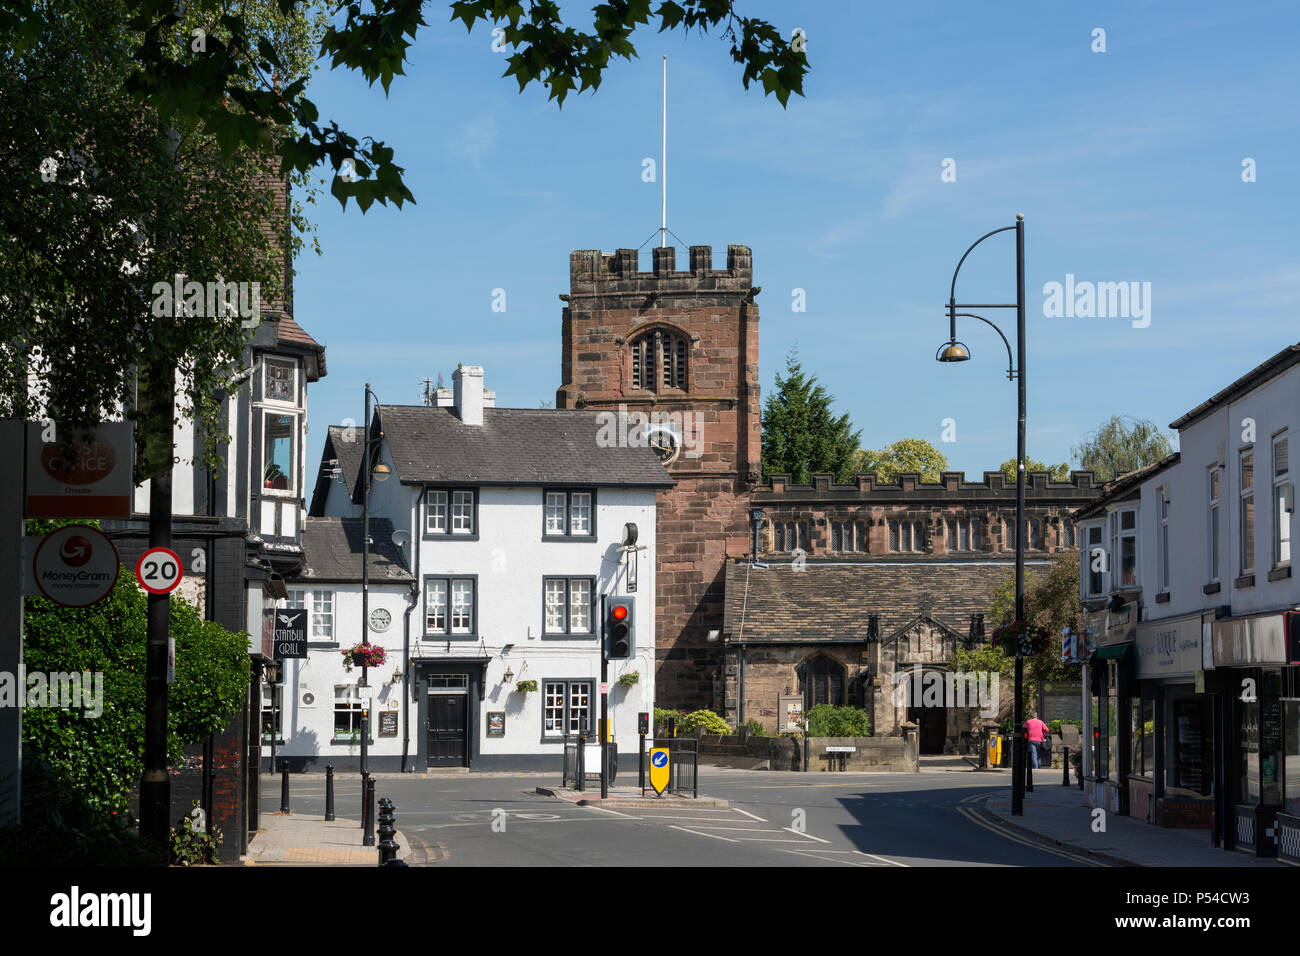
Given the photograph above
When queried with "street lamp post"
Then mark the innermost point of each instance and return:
(954, 351)
(379, 471)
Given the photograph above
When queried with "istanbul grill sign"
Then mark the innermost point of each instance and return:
(290, 635)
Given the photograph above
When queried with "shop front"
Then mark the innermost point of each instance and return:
(1172, 779)
(1112, 679)
(1256, 657)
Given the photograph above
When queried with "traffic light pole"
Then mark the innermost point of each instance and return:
(604, 706)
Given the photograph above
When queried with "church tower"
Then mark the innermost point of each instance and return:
(677, 347)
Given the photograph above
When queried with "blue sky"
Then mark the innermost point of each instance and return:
(1127, 166)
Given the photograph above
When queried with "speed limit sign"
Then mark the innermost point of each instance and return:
(159, 570)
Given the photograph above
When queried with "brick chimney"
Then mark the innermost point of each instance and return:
(467, 384)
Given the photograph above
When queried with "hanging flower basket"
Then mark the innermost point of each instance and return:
(363, 655)
(1021, 639)
(629, 679)
(526, 686)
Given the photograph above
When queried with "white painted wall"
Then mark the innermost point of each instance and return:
(309, 728)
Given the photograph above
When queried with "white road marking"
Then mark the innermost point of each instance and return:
(697, 833)
(807, 835)
(748, 814)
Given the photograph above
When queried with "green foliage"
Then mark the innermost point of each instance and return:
(127, 188)
(1051, 601)
(826, 720)
(986, 658)
(755, 728)
(706, 720)
(190, 847)
(62, 828)
(526, 686)
(104, 754)
(1059, 472)
(905, 455)
(630, 679)
(800, 434)
(232, 82)
(661, 716)
(1122, 444)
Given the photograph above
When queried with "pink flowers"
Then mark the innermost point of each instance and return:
(1021, 639)
(363, 655)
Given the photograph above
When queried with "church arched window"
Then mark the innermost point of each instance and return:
(659, 361)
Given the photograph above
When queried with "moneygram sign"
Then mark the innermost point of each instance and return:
(75, 566)
(79, 476)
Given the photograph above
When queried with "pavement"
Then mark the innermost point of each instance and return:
(1056, 815)
(309, 840)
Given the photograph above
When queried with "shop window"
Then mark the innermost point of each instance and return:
(347, 713)
(1291, 742)
(1144, 736)
(272, 714)
(1188, 747)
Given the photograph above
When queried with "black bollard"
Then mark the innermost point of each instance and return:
(369, 814)
(1065, 769)
(582, 761)
(387, 847)
(284, 786)
(329, 791)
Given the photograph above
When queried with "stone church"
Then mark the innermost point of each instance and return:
(853, 583)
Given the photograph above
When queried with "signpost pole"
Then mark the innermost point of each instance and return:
(604, 706)
(12, 435)
(155, 785)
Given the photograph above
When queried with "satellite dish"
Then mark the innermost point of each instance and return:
(400, 537)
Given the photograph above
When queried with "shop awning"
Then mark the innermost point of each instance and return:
(1112, 651)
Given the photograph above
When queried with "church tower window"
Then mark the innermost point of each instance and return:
(659, 361)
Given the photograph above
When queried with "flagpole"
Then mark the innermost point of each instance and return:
(663, 166)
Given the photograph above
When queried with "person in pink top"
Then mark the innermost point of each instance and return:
(1037, 734)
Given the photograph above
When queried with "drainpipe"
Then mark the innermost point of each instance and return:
(742, 685)
(406, 629)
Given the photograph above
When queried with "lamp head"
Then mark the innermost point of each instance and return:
(954, 351)
(381, 472)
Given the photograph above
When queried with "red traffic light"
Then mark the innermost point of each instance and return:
(619, 612)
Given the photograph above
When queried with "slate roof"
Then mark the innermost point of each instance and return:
(832, 601)
(332, 552)
(1270, 368)
(348, 454)
(513, 446)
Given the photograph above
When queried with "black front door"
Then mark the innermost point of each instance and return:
(447, 725)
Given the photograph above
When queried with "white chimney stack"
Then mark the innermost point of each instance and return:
(467, 383)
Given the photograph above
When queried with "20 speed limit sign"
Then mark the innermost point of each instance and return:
(159, 570)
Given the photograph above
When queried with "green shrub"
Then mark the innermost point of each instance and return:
(707, 720)
(1055, 725)
(102, 754)
(755, 728)
(190, 847)
(825, 720)
(661, 719)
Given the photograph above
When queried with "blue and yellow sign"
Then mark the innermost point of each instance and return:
(659, 765)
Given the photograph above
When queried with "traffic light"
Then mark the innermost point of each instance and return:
(620, 628)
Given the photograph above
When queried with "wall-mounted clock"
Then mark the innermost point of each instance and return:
(663, 439)
(380, 618)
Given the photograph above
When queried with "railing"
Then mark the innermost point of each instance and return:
(683, 764)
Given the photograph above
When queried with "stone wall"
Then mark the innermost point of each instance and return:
(883, 754)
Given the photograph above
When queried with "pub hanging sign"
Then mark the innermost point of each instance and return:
(290, 636)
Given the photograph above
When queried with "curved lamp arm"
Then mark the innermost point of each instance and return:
(1011, 362)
